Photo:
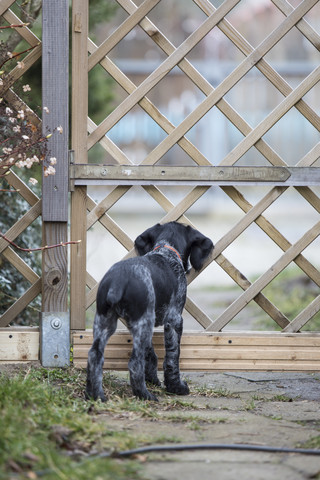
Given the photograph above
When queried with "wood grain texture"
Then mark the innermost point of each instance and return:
(55, 94)
(19, 345)
(215, 352)
(79, 146)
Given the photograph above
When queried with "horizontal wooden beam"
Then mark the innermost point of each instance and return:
(216, 351)
(90, 174)
(19, 344)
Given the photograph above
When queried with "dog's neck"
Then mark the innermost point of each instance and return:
(170, 248)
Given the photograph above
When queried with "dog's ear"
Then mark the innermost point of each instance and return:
(200, 248)
(145, 242)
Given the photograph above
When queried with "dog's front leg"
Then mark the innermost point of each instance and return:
(172, 337)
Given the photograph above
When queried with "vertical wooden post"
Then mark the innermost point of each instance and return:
(55, 324)
(79, 146)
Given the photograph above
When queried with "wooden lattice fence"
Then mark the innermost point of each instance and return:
(211, 349)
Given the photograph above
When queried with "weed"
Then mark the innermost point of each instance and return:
(206, 391)
(249, 405)
(280, 398)
(313, 442)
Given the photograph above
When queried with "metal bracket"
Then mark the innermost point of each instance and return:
(55, 339)
(71, 162)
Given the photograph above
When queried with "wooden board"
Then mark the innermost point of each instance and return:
(216, 351)
(19, 344)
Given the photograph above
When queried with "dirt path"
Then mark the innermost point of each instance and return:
(276, 409)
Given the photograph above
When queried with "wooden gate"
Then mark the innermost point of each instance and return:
(213, 348)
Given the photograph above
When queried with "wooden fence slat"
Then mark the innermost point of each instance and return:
(224, 351)
(268, 122)
(208, 339)
(266, 278)
(303, 26)
(20, 265)
(24, 32)
(5, 4)
(273, 233)
(196, 353)
(116, 153)
(16, 182)
(79, 114)
(19, 345)
(230, 80)
(160, 72)
(21, 225)
(55, 96)
(263, 66)
(17, 72)
(150, 109)
(121, 32)
(99, 209)
(21, 304)
(309, 312)
(260, 299)
(197, 79)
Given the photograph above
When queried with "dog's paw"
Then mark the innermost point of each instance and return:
(146, 395)
(154, 381)
(178, 388)
(99, 396)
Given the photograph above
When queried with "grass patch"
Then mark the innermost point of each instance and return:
(313, 442)
(205, 391)
(47, 429)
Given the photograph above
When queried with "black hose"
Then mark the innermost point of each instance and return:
(182, 447)
(209, 446)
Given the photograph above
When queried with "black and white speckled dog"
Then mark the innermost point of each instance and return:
(147, 291)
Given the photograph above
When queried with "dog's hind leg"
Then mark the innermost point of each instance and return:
(142, 343)
(172, 337)
(103, 328)
(151, 366)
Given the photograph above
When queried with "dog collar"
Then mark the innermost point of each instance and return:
(170, 248)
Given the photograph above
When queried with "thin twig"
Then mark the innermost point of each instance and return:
(47, 247)
(20, 25)
(17, 54)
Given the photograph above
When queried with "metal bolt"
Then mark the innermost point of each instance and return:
(56, 323)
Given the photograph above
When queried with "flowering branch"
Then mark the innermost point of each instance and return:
(47, 247)
(17, 54)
